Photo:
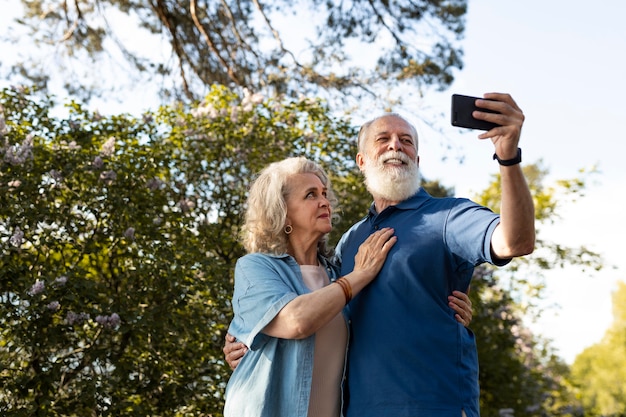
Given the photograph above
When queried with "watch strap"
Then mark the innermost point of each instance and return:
(509, 162)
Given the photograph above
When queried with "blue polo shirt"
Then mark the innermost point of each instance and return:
(408, 355)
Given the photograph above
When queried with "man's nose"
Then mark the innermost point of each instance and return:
(394, 143)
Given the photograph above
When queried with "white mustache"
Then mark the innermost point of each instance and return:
(391, 155)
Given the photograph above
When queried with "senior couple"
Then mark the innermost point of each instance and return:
(377, 328)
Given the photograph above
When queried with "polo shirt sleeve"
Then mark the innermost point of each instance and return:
(262, 289)
(468, 232)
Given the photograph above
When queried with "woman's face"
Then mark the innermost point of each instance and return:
(308, 209)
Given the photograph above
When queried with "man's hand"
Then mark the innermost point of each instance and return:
(233, 351)
(461, 304)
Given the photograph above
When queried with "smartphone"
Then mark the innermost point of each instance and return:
(462, 108)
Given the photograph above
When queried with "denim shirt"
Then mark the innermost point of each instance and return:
(274, 377)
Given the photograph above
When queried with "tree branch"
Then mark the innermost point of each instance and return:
(211, 45)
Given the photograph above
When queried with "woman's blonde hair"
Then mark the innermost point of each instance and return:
(266, 214)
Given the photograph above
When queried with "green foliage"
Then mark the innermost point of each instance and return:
(278, 46)
(524, 280)
(599, 371)
(518, 371)
(118, 238)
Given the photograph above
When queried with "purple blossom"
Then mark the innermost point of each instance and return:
(250, 100)
(17, 238)
(110, 322)
(55, 175)
(154, 184)
(53, 306)
(3, 126)
(37, 288)
(98, 163)
(18, 154)
(108, 176)
(108, 148)
(130, 233)
(205, 110)
(186, 205)
(73, 318)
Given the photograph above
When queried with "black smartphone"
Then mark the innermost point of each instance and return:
(462, 108)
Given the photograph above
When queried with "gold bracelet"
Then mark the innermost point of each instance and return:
(346, 287)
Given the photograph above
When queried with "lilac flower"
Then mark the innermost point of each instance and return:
(17, 238)
(205, 110)
(154, 184)
(109, 321)
(37, 288)
(108, 148)
(72, 318)
(98, 163)
(108, 176)
(234, 114)
(186, 205)
(249, 100)
(130, 233)
(55, 175)
(3, 126)
(18, 154)
(53, 306)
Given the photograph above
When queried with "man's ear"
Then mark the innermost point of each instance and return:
(360, 161)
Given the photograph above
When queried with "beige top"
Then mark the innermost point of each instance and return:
(330, 349)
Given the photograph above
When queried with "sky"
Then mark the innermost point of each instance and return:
(564, 64)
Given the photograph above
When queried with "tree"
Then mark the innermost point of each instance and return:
(118, 238)
(599, 371)
(279, 46)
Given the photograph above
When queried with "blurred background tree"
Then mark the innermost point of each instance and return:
(118, 237)
(599, 372)
(186, 46)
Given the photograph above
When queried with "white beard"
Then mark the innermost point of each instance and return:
(390, 182)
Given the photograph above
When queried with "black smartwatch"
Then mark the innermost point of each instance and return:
(509, 162)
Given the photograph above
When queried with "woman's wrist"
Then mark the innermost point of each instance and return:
(346, 287)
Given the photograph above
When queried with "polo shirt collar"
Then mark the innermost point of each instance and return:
(410, 203)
